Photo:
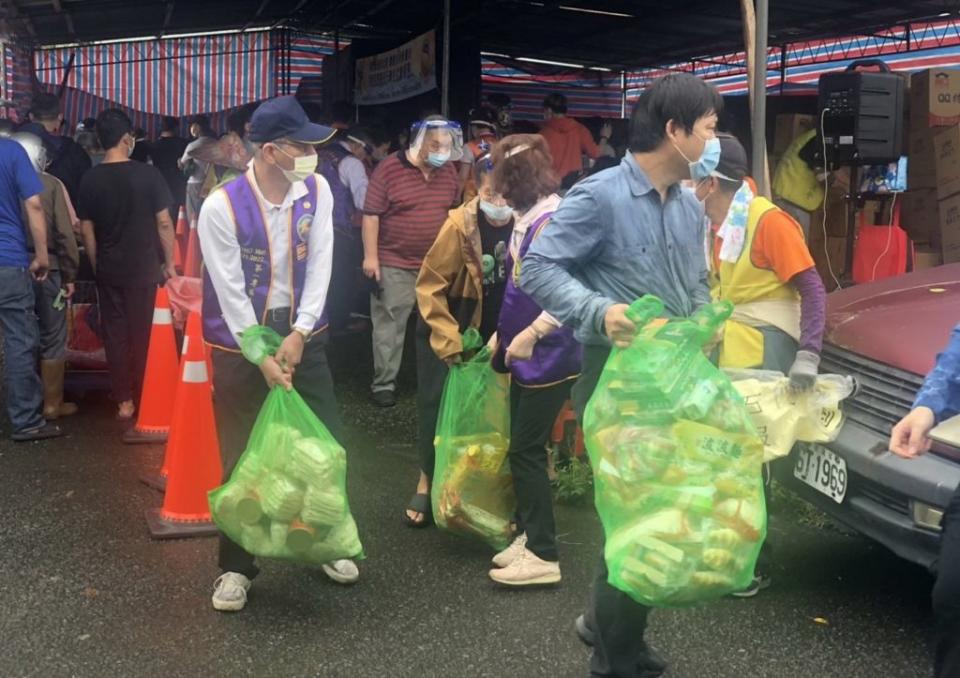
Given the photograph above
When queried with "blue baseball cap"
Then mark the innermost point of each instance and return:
(284, 118)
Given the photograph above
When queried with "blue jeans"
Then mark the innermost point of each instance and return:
(20, 340)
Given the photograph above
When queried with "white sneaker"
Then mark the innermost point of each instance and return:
(230, 592)
(527, 570)
(342, 571)
(512, 552)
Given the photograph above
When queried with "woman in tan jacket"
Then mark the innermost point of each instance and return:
(460, 285)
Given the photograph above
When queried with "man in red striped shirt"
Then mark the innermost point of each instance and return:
(407, 202)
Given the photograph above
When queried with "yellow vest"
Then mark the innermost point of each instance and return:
(758, 295)
(794, 181)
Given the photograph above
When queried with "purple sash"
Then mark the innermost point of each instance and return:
(556, 357)
(255, 258)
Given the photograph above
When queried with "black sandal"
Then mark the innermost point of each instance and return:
(420, 503)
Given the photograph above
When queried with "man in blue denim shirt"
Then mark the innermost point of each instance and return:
(20, 187)
(937, 400)
(622, 233)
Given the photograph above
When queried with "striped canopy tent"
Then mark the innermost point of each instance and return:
(793, 69)
(180, 76)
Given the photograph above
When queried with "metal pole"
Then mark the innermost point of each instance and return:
(760, 94)
(623, 94)
(445, 84)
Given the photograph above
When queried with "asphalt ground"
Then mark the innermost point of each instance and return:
(84, 591)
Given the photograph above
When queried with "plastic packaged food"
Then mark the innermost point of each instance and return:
(677, 465)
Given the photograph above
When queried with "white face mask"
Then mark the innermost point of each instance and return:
(303, 166)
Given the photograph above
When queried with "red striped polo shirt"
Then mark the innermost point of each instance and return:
(412, 208)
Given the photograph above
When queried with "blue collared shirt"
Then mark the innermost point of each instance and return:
(941, 389)
(611, 241)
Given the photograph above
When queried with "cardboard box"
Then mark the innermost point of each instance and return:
(836, 206)
(921, 159)
(946, 146)
(926, 257)
(920, 215)
(935, 98)
(788, 127)
(836, 250)
(950, 229)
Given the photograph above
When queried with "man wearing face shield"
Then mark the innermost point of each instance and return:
(617, 235)
(407, 202)
(260, 271)
(760, 262)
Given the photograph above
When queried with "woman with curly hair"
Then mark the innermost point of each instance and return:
(542, 357)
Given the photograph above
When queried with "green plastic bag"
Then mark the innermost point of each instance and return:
(472, 491)
(677, 465)
(286, 497)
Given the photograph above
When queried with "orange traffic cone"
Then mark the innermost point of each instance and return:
(159, 380)
(177, 256)
(182, 229)
(193, 451)
(191, 267)
(158, 481)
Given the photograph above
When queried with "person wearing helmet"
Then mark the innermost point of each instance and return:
(483, 135)
(50, 293)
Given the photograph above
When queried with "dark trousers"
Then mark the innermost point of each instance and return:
(431, 375)
(618, 621)
(126, 315)
(532, 413)
(53, 322)
(239, 393)
(345, 278)
(20, 336)
(946, 595)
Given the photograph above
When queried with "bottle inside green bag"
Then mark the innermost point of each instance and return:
(643, 310)
(699, 328)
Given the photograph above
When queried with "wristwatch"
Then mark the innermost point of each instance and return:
(306, 334)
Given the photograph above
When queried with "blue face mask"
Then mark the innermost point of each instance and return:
(496, 212)
(709, 159)
(438, 159)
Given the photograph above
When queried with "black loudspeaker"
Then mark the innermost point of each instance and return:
(861, 115)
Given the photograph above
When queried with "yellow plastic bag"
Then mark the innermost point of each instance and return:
(783, 418)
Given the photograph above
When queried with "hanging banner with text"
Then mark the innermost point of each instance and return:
(399, 74)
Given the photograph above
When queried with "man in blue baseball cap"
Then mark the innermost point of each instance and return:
(267, 242)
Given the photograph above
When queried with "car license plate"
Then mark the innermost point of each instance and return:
(822, 470)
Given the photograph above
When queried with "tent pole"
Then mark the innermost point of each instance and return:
(623, 94)
(445, 92)
(755, 43)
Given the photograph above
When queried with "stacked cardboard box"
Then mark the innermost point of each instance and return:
(789, 126)
(934, 163)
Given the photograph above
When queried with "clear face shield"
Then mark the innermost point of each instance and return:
(436, 141)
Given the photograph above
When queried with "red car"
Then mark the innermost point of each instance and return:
(886, 335)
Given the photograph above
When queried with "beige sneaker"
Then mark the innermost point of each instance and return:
(527, 570)
(512, 552)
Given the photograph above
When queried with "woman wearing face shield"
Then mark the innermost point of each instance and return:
(542, 357)
(460, 285)
(760, 261)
